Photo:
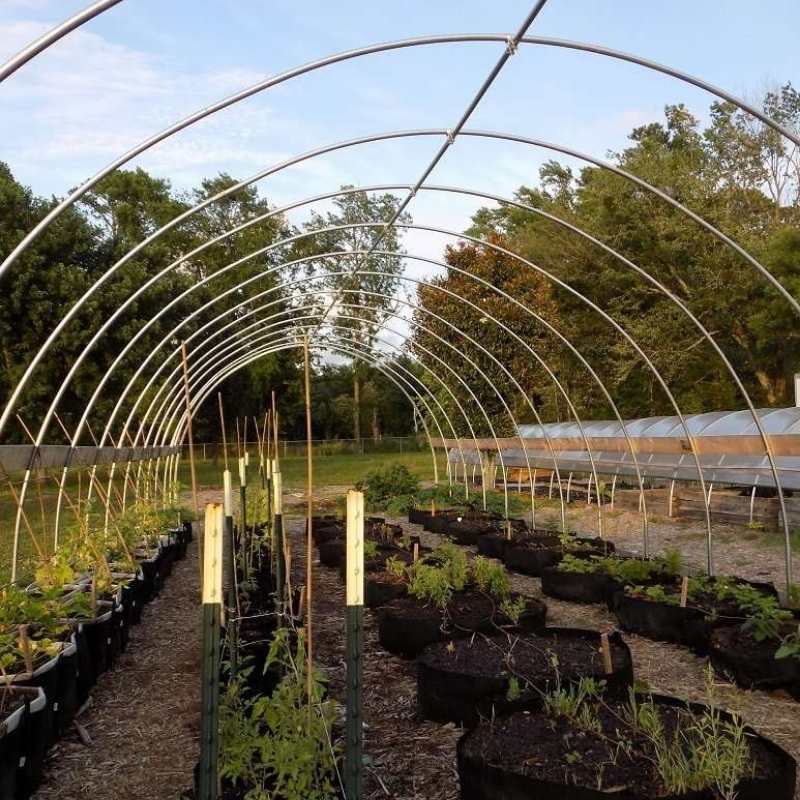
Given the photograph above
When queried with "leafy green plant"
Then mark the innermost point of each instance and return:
(430, 583)
(513, 609)
(491, 577)
(710, 751)
(574, 703)
(370, 548)
(268, 748)
(383, 485)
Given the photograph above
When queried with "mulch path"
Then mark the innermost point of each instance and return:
(144, 719)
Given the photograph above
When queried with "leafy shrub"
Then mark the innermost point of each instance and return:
(384, 485)
(268, 748)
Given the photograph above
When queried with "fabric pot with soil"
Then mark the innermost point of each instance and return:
(12, 735)
(588, 587)
(44, 677)
(66, 699)
(668, 621)
(97, 634)
(663, 622)
(751, 664)
(578, 587)
(529, 755)
(465, 680)
(467, 532)
(406, 626)
(35, 727)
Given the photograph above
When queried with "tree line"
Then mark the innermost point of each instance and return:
(120, 212)
(737, 174)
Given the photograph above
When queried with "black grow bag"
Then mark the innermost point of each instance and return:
(405, 627)
(378, 592)
(481, 780)
(493, 545)
(66, 701)
(34, 744)
(98, 635)
(753, 665)
(578, 587)
(12, 737)
(532, 560)
(662, 621)
(151, 579)
(45, 677)
(464, 694)
(331, 553)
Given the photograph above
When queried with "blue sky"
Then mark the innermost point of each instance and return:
(147, 63)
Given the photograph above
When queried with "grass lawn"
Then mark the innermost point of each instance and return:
(334, 470)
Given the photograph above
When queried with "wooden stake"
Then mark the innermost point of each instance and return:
(684, 591)
(433, 507)
(25, 646)
(416, 551)
(185, 361)
(222, 428)
(309, 533)
(605, 648)
(275, 426)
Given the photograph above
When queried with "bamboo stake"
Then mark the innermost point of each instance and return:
(185, 362)
(684, 591)
(275, 425)
(309, 535)
(38, 481)
(238, 440)
(222, 428)
(25, 519)
(606, 650)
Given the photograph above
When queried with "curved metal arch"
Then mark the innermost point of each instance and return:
(170, 413)
(257, 335)
(41, 44)
(660, 286)
(392, 314)
(441, 264)
(172, 333)
(550, 327)
(25, 377)
(398, 379)
(369, 50)
(482, 311)
(169, 406)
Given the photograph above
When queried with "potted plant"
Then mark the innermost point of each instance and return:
(581, 744)
(464, 680)
(449, 598)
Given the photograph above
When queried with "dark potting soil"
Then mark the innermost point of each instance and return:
(469, 679)
(406, 625)
(529, 656)
(530, 754)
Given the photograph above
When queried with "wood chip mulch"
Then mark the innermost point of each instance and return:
(144, 718)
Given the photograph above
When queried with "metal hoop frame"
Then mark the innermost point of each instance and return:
(511, 44)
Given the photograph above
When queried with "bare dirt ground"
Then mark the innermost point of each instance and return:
(144, 720)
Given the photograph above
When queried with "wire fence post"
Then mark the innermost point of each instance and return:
(280, 558)
(355, 644)
(243, 514)
(212, 615)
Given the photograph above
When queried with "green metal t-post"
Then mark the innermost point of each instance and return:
(243, 516)
(280, 559)
(355, 645)
(208, 778)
